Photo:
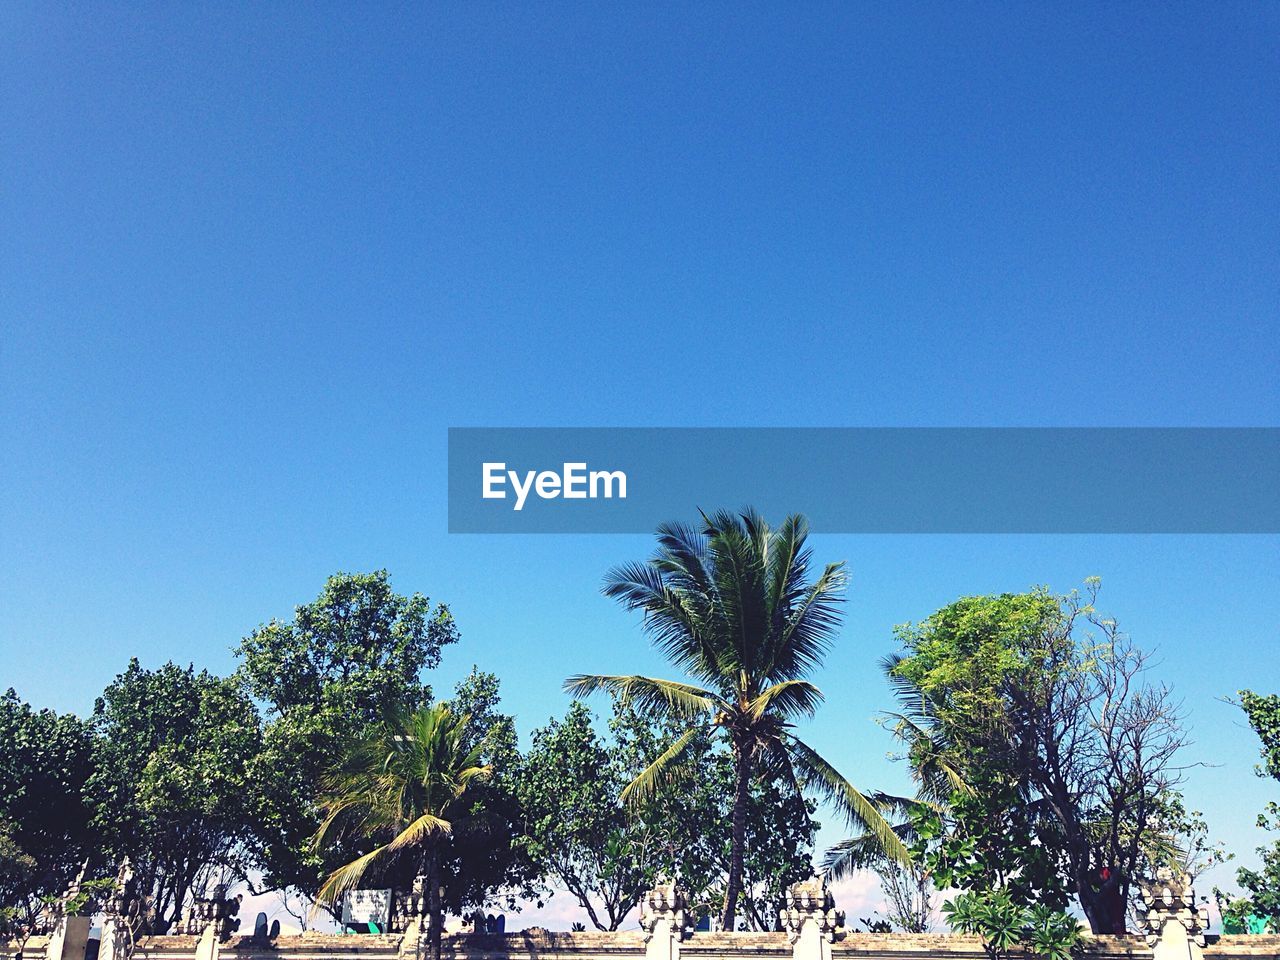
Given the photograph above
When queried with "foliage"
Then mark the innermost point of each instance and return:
(172, 782)
(45, 760)
(358, 646)
(20, 900)
(606, 854)
(1179, 840)
(569, 785)
(985, 842)
(327, 677)
(400, 792)
(1033, 715)
(1005, 924)
(733, 605)
(1261, 885)
(690, 816)
(1264, 716)
(486, 862)
(907, 887)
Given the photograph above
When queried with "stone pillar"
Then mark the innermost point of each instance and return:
(69, 938)
(213, 920)
(69, 932)
(811, 919)
(665, 920)
(121, 913)
(1173, 923)
(411, 917)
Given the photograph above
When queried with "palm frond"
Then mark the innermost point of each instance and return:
(858, 809)
(738, 547)
(861, 852)
(419, 830)
(675, 594)
(347, 877)
(648, 694)
(788, 698)
(811, 624)
(659, 772)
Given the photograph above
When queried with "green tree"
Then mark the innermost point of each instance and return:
(172, 782)
(483, 861)
(401, 789)
(1261, 885)
(1035, 711)
(606, 854)
(733, 606)
(45, 761)
(569, 786)
(688, 819)
(328, 677)
(986, 842)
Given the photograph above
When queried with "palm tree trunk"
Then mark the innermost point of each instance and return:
(435, 911)
(737, 852)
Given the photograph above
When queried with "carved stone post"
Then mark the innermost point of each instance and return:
(70, 931)
(665, 920)
(811, 919)
(213, 920)
(413, 915)
(122, 913)
(1172, 922)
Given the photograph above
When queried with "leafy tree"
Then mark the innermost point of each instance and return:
(358, 647)
(569, 786)
(777, 843)
(985, 842)
(328, 677)
(606, 855)
(20, 898)
(1261, 885)
(402, 789)
(1034, 712)
(688, 820)
(484, 861)
(176, 748)
(45, 760)
(733, 606)
(1264, 716)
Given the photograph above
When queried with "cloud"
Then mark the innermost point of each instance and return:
(858, 895)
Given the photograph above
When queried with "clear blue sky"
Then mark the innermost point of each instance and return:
(255, 259)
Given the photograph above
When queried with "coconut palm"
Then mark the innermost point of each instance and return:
(916, 726)
(732, 605)
(405, 782)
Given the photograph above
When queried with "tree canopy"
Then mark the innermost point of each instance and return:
(45, 761)
(1262, 884)
(327, 677)
(171, 784)
(1036, 715)
(734, 605)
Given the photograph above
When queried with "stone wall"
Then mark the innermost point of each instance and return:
(546, 945)
(1174, 928)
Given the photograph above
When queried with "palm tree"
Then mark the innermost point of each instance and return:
(733, 606)
(914, 724)
(406, 781)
